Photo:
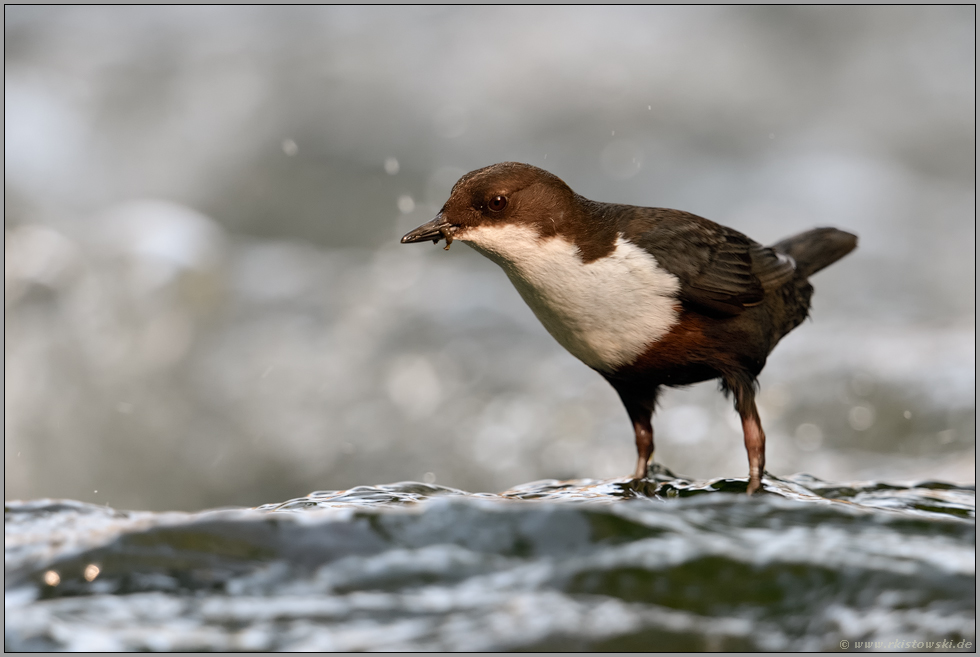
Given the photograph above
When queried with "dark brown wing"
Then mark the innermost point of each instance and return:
(721, 271)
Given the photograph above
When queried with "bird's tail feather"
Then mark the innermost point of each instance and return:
(817, 248)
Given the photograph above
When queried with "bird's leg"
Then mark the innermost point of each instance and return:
(639, 405)
(743, 389)
(644, 444)
(755, 446)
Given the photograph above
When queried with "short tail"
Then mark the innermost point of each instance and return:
(817, 248)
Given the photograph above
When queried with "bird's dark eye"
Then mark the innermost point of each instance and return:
(497, 203)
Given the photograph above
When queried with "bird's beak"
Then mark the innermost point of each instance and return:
(435, 230)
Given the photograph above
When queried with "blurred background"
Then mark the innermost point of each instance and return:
(206, 303)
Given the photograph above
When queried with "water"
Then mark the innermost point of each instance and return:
(665, 564)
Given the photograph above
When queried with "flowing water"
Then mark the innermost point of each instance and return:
(664, 564)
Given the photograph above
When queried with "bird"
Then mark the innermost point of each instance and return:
(650, 298)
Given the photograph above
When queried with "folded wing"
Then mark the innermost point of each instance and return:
(721, 271)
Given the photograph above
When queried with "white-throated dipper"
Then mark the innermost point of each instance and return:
(647, 297)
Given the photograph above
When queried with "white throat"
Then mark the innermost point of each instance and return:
(606, 313)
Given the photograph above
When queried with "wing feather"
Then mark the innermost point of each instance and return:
(721, 271)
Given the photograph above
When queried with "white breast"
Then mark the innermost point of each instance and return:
(606, 312)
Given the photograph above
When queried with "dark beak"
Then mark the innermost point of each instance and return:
(435, 230)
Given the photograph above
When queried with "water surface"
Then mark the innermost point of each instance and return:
(666, 564)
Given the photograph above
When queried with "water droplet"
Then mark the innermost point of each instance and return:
(861, 418)
(772, 135)
(649, 107)
(52, 578)
(391, 166)
(91, 572)
(289, 147)
(429, 477)
(405, 203)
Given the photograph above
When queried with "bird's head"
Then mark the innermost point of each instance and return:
(508, 200)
